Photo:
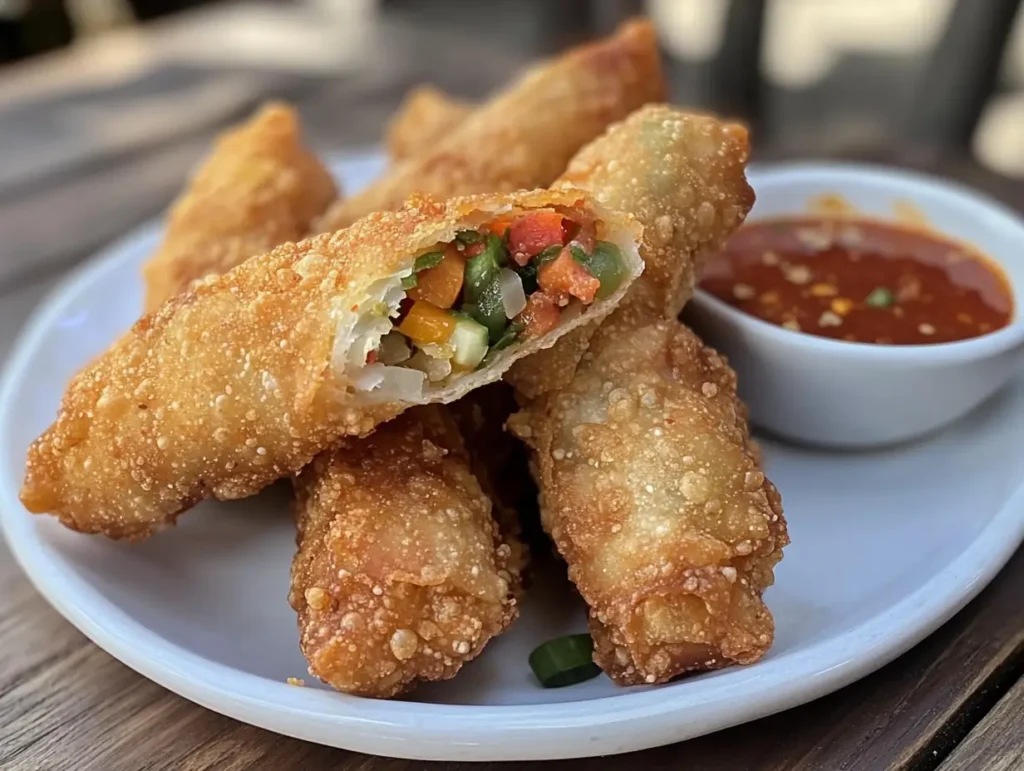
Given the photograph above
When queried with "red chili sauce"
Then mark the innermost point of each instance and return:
(860, 280)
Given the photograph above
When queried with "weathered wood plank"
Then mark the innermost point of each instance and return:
(997, 742)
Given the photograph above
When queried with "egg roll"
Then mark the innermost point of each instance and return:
(258, 188)
(682, 175)
(402, 574)
(245, 377)
(426, 116)
(649, 483)
(525, 135)
(652, 491)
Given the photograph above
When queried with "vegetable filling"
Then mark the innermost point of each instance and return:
(508, 281)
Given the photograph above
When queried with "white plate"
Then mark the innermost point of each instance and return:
(886, 546)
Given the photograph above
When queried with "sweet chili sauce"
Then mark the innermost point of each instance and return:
(860, 280)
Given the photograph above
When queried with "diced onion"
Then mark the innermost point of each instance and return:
(394, 349)
(513, 297)
(387, 384)
(436, 370)
(435, 351)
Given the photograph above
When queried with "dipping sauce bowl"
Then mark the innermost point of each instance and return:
(834, 393)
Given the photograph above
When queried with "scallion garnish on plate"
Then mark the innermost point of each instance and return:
(564, 661)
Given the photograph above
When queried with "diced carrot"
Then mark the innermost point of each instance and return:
(440, 285)
(540, 315)
(426, 323)
(371, 357)
(532, 233)
(563, 275)
(500, 224)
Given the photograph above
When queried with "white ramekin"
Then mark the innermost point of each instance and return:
(832, 393)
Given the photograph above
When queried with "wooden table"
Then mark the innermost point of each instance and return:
(956, 701)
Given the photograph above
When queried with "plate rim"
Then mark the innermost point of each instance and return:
(428, 731)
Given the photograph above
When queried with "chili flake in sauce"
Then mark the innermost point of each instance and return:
(860, 280)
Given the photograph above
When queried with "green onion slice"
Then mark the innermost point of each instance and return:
(466, 237)
(548, 254)
(482, 270)
(605, 264)
(425, 261)
(489, 310)
(564, 661)
(509, 336)
(880, 297)
(428, 261)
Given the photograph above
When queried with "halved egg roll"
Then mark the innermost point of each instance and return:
(682, 175)
(244, 378)
(402, 573)
(258, 188)
(525, 135)
(426, 116)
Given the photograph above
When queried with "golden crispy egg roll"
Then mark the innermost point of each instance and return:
(258, 188)
(526, 134)
(426, 116)
(402, 573)
(244, 378)
(682, 175)
(654, 496)
(649, 483)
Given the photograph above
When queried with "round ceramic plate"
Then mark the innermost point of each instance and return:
(886, 546)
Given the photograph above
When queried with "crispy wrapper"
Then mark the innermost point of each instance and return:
(402, 573)
(649, 483)
(652, 492)
(682, 175)
(243, 379)
(426, 116)
(498, 460)
(258, 188)
(525, 135)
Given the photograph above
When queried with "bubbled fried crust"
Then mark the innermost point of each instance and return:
(230, 386)
(402, 574)
(653, 494)
(525, 135)
(497, 459)
(426, 116)
(258, 188)
(682, 176)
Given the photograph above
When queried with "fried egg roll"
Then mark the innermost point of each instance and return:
(244, 378)
(653, 493)
(402, 574)
(525, 135)
(682, 175)
(258, 188)
(426, 116)
(649, 483)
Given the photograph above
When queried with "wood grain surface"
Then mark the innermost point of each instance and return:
(997, 743)
(955, 702)
(65, 704)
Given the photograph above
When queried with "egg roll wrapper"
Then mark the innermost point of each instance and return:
(258, 188)
(402, 573)
(233, 384)
(426, 116)
(498, 460)
(653, 493)
(525, 135)
(682, 175)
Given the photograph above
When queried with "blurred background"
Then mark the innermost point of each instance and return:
(105, 105)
